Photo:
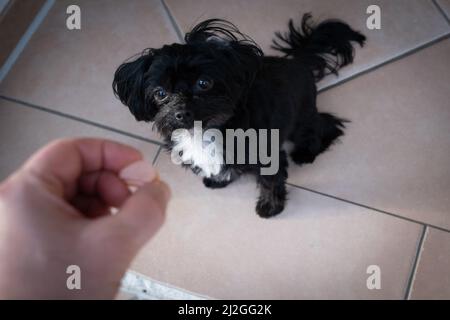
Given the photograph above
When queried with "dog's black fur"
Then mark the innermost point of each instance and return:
(221, 77)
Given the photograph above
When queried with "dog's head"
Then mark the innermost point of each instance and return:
(204, 79)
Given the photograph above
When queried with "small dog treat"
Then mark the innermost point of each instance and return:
(138, 173)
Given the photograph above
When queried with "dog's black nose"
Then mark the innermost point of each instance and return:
(183, 116)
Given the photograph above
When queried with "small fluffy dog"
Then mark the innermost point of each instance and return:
(221, 77)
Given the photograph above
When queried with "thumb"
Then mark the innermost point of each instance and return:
(144, 212)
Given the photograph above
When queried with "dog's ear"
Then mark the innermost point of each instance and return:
(129, 85)
(243, 54)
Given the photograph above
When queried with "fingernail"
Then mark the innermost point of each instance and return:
(138, 173)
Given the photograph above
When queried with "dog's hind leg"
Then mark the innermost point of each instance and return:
(315, 138)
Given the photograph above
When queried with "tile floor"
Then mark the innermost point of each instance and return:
(380, 197)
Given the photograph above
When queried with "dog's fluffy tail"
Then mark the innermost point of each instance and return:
(325, 48)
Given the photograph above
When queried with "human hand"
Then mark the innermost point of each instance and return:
(55, 212)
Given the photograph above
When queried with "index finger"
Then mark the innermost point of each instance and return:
(62, 162)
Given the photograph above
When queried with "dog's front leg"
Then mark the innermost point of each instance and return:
(273, 192)
(221, 180)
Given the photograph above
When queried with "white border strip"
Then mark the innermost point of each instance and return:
(141, 287)
(25, 38)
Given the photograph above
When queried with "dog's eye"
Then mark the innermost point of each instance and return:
(204, 84)
(160, 94)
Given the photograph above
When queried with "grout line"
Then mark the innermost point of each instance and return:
(157, 155)
(75, 118)
(12, 58)
(386, 62)
(441, 11)
(370, 208)
(174, 23)
(415, 263)
(4, 5)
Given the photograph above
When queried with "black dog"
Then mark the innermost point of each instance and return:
(221, 77)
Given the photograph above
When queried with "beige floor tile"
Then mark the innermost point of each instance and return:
(214, 244)
(432, 278)
(445, 5)
(15, 18)
(396, 151)
(72, 71)
(405, 23)
(24, 130)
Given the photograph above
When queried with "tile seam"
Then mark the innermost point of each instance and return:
(156, 155)
(387, 62)
(78, 119)
(173, 21)
(394, 215)
(23, 41)
(412, 276)
(441, 11)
